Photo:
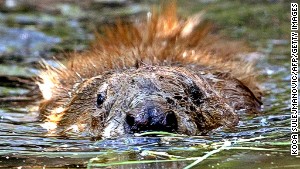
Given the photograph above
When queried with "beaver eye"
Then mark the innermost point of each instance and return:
(196, 95)
(100, 99)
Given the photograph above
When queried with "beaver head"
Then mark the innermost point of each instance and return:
(150, 98)
(103, 92)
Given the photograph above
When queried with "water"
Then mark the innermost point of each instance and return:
(24, 143)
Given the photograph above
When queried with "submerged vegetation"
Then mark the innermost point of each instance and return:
(207, 149)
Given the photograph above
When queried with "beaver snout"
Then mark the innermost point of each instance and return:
(152, 119)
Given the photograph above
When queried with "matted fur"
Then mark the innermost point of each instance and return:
(163, 39)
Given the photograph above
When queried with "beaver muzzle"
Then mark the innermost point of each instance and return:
(152, 119)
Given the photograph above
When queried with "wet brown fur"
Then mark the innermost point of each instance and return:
(164, 40)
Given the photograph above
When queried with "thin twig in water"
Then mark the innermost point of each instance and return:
(224, 146)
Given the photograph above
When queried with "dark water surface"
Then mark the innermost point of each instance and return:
(25, 144)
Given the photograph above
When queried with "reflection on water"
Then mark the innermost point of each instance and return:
(24, 42)
(23, 142)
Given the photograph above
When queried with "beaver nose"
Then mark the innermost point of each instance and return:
(152, 119)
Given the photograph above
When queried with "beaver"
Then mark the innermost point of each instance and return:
(164, 73)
